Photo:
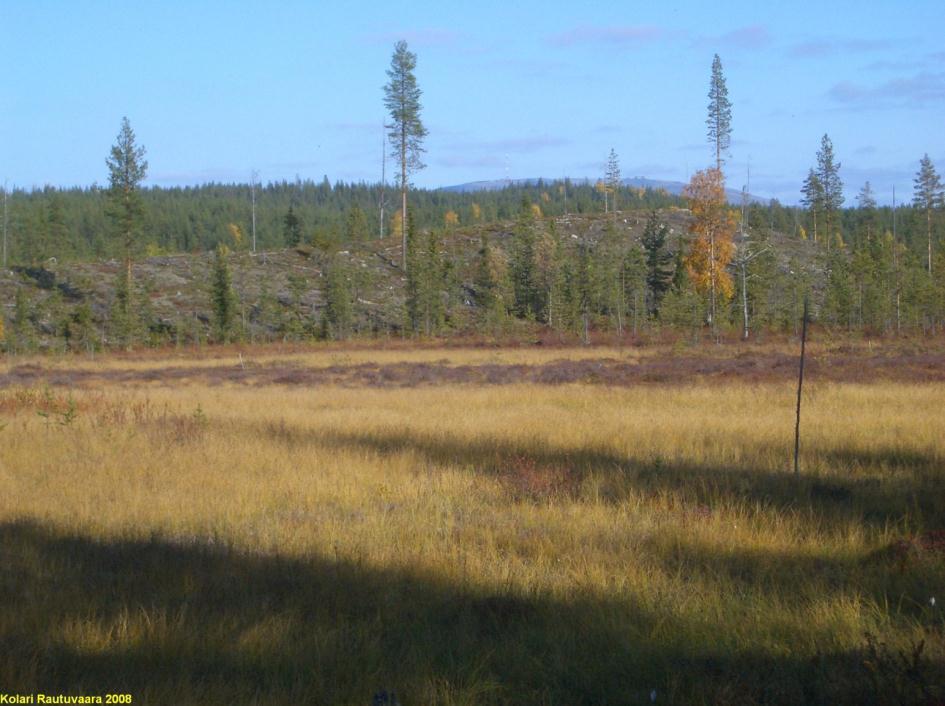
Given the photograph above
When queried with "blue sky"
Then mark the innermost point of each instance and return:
(517, 89)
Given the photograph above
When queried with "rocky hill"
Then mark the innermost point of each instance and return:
(289, 281)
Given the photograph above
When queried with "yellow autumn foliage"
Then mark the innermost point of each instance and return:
(396, 223)
(713, 225)
(236, 233)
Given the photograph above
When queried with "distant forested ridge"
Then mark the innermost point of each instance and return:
(71, 224)
(633, 272)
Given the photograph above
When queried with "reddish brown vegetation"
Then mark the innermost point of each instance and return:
(749, 366)
(911, 549)
(528, 480)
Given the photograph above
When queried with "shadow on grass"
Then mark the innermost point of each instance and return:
(882, 577)
(204, 623)
(902, 485)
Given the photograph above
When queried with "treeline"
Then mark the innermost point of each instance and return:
(658, 281)
(73, 224)
(579, 277)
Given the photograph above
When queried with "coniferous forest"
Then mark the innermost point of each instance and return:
(471, 262)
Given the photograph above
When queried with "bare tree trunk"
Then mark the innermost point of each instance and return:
(712, 279)
(898, 325)
(828, 224)
(895, 246)
(253, 193)
(800, 384)
(744, 300)
(718, 137)
(403, 192)
(621, 302)
(928, 222)
(4, 225)
(383, 200)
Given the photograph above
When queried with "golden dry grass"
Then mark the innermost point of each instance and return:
(321, 355)
(458, 544)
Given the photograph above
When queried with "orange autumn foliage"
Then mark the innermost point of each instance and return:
(713, 225)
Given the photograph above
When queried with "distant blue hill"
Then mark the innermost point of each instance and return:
(673, 187)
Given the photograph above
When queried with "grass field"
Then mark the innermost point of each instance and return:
(221, 541)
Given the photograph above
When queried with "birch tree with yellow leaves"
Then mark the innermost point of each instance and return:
(713, 225)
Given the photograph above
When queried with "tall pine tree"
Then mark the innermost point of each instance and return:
(405, 129)
(828, 174)
(612, 177)
(719, 120)
(928, 196)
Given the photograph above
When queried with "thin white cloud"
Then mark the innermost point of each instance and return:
(742, 38)
(817, 48)
(625, 36)
(921, 90)
(749, 37)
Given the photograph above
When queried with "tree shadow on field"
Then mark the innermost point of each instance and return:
(207, 624)
(909, 483)
(800, 575)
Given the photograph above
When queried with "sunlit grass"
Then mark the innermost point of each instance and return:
(470, 545)
(322, 355)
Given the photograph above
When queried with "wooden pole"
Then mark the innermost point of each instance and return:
(800, 384)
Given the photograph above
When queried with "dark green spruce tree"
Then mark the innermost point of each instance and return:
(356, 225)
(338, 317)
(127, 168)
(659, 264)
(489, 286)
(292, 228)
(222, 298)
(522, 269)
